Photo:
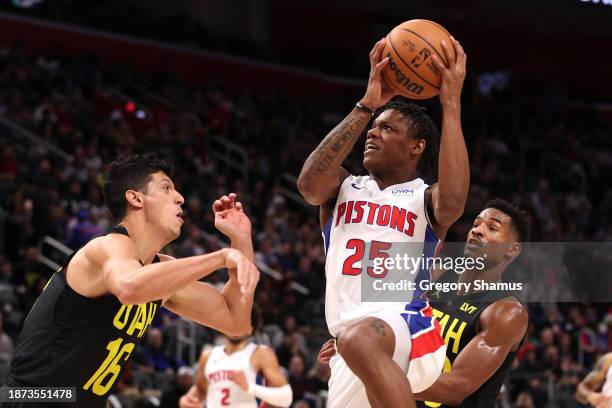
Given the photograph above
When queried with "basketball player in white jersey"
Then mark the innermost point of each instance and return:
(362, 215)
(226, 377)
(600, 378)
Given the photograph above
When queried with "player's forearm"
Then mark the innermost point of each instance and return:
(448, 389)
(323, 163)
(277, 396)
(197, 394)
(162, 279)
(244, 244)
(240, 312)
(453, 167)
(582, 393)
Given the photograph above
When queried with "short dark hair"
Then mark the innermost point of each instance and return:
(130, 173)
(423, 127)
(519, 218)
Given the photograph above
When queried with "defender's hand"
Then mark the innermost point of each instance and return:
(453, 75)
(239, 378)
(230, 218)
(187, 401)
(327, 351)
(378, 92)
(243, 271)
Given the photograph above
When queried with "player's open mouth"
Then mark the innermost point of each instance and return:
(370, 147)
(180, 216)
(473, 243)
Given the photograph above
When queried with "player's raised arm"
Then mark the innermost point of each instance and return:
(228, 311)
(586, 392)
(322, 173)
(232, 221)
(503, 326)
(449, 195)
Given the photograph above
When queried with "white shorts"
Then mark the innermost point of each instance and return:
(420, 354)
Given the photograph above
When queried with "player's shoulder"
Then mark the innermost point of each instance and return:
(205, 354)
(507, 316)
(263, 353)
(354, 182)
(108, 246)
(606, 361)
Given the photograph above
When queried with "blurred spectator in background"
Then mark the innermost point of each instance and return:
(185, 377)
(297, 377)
(152, 356)
(6, 344)
(82, 230)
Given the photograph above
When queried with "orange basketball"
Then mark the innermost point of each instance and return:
(411, 70)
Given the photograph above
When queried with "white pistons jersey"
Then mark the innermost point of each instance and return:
(222, 392)
(364, 224)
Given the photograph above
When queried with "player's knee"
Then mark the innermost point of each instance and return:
(365, 341)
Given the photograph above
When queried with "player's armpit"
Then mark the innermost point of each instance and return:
(265, 361)
(503, 326)
(205, 305)
(326, 210)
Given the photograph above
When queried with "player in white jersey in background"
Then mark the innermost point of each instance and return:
(600, 378)
(227, 374)
(362, 216)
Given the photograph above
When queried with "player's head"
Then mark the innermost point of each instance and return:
(497, 232)
(402, 136)
(141, 184)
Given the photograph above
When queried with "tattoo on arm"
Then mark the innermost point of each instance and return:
(333, 143)
(379, 327)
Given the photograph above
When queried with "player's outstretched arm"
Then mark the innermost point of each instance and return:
(195, 397)
(322, 174)
(277, 390)
(449, 195)
(503, 326)
(587, 389)
(132, 283)
(228, 311)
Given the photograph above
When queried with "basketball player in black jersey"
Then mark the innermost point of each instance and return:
(98, 306)
(482, 330)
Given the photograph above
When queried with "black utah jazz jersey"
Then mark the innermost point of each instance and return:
(458, 317)
(69, 340)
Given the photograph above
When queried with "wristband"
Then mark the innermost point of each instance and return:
(360, 106)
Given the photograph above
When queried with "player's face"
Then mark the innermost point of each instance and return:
(163, 204)
(389, 143)
(490, 236)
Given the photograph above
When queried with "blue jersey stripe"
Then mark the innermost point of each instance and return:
(326, 234)
(429, 248)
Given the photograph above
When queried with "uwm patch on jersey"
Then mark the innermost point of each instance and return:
(365, 224)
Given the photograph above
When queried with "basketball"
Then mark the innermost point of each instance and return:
(411, 70)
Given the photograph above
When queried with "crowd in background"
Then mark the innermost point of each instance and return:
(527, 146)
